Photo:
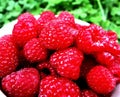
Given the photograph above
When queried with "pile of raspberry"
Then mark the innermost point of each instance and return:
(53, 56)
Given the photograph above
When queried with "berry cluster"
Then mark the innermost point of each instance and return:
(53, 56)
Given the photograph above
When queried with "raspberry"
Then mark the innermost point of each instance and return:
(88, 93)
(8, 56)
(105, 58)
(101, 80)
(24, 30)
(58, 87)
(45, 17)
(113, 47)
(67, 62)
(23, 83)
(110, 61)
(34, 51)
(68, 18)
(26, 17)
(46, 69)
(112, 35)
(92, 39)
(57, 35)
(115, 70)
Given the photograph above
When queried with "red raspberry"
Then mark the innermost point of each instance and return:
(58, 87)
(91, 39)
(24, 30)
(68, 18)
(110, 61)
(26, 17)
(57, 35)
(34, 51)
(115, 69)
(67, 62)
(23, 83)
(88, 93)
(113, 47)
(105, 58)
(8, 56)
(101, 80)
(112, 35)
(45, 17)
(46, 69)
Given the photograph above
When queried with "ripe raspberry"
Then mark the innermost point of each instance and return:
(92, 39)
(58, 87)
(110, 61)
(8, 37)
(57, 35)
(68, 18)
(88, 93)
(24, 30)
(105, 58)
(115, 70)
(101, 80)
(67, 62)
(23, 83)
(34, 51)
(8, 56)
(46, 69)
(112, 35)
(113, 47)
(26, 17)
(45, 17)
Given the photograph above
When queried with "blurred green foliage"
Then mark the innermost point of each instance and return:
(102, 12)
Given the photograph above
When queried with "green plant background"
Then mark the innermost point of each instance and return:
(105, 13)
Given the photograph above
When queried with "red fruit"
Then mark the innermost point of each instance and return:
(44, 18)
(115, 70)
(57, 35)
(105, 58)
(91, 39)
(46, 69)
(67, 62)
(88, 93)
(24, 30)
(8, 56)
(58, 87)
(23, 83)
(26, 17)
(68, 18)
(34, 51)
(112, 35)
(113, 47)
(101, 80)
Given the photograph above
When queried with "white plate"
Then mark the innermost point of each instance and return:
(7, 29)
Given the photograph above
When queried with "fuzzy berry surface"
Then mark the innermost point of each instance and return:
(68, 18)
(88, 93)
(23, 83)
(58, 87)
(57, 35)
(44, 17)
(67, 62)
(92, 39)
(101, 80)
(25, 29)
(34, 51)
(8, 56)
